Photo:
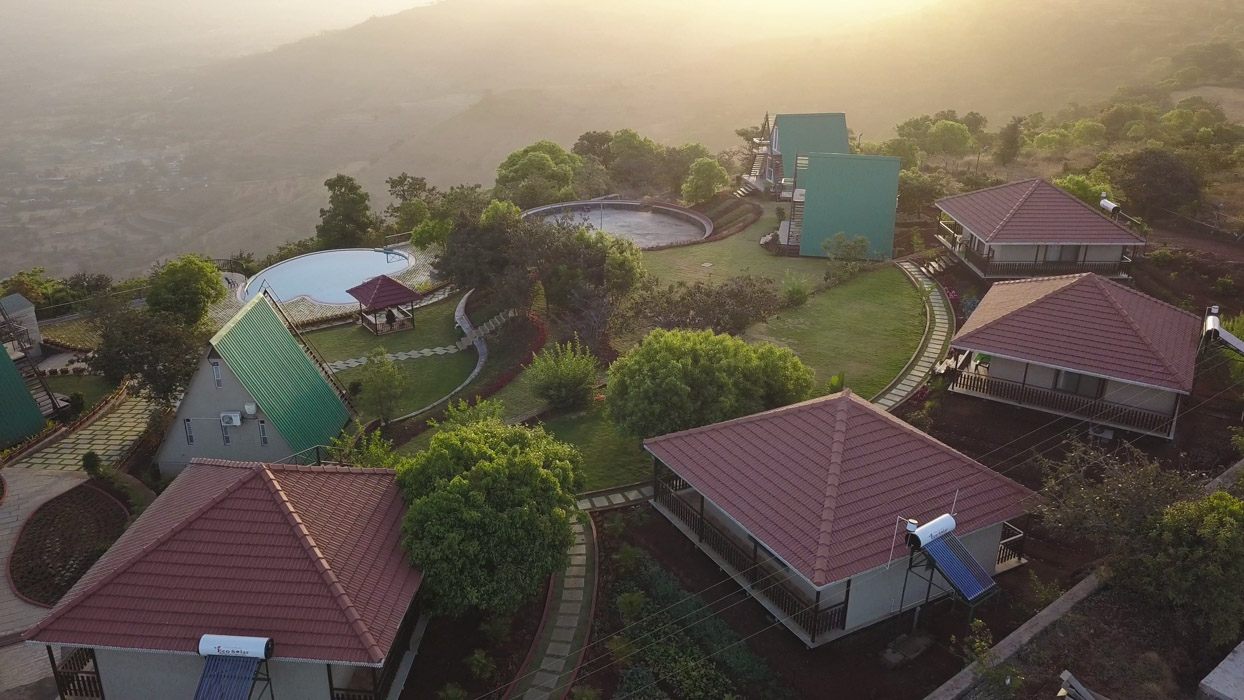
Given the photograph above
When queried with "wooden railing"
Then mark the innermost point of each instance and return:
(347, 694)
(1011, 546)
(76, 674)
(1096, 410)
(762, 579)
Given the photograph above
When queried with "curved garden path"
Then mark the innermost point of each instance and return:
(936, 342)
(109, 436)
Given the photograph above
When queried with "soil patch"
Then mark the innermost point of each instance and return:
(448, 642)
(62, 539)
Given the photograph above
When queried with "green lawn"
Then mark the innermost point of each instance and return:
(434, 328)
(93, 387)
(609, 458)
(869, 328)
(738, 254)
(429, 378)
(77, 333)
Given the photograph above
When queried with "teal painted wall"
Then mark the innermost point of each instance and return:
(19, 414)
(801, 134)
(854, 194)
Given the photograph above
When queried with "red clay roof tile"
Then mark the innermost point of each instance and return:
(1034, 212)
(309, 556)
(1089, 324)
(382, 292)
(820, 483)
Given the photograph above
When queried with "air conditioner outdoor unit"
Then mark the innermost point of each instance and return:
(250, 409)
(1101, 432)
(231, 418)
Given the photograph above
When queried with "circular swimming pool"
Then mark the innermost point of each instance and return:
(648, 225)
(325, 276)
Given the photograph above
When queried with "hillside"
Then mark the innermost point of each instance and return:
(447, 91)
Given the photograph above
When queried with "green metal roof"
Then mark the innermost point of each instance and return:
(801, 134)
(273, 367)
(20, 416)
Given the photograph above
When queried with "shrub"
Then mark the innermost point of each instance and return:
(628, 558)
(354, 387)
(481, 665)
(77, 403)
(1045, 592)
(622, 649)
(92, 464)
(795, 290)
(452, 691)
(998, 681)
(496, 628)
(969, 305)
(631, 605)
(564, 375)
(615, 525)
(639, 683)
(920, 421)
(583, 692)
(1225, 286)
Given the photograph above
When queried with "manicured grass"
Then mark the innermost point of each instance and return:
(736, 255)
(869, 328)
(77, 334)
(609, 458)
(434, 328)
(429, 378)
(93, 387)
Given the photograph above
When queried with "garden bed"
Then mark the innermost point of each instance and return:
(852, 666)
(61, 540)
(449, 642)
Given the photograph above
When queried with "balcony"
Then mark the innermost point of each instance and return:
(77, 674)
(1065, 404)
(746, 564)
(987, 267)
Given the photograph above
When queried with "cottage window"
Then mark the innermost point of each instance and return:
(1079, 384)
(189, 432)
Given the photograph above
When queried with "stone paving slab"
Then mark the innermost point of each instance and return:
(495, 323)
(109, 437)
(939, 338)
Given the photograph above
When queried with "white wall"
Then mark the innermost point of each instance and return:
(135, 675)
(1014, 253)
(1157, 400)
(1010, 370)
(1103, 253)
(875, 593)
(1040, 376)
(203, 404)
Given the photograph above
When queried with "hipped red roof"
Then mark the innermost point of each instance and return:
(309, 556)
(821, 483)
(1034, 212)
(1088, 324)
(382, 292)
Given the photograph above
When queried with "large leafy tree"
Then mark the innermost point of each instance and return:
(348, 221)
(186, 288)
(594, 144)
(917, 191)
(477, 250)
(383, 383)
(490, 512)
(636, 159)
(1010, 142)
(676, 162)
(949, 138)
(676, 380)
(1153, 179)
(1085, 188)
(541, 173)
(156, 349)
(705, 179)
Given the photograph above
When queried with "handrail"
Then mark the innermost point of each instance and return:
(25, 348)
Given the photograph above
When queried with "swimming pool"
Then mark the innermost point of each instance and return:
(648, 225)
(325, 276)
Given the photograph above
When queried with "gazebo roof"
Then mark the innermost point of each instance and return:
(383, 292)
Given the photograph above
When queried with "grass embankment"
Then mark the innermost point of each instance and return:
(427, 379)
(434, 328)
(93, 387)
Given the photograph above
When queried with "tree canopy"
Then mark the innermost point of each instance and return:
(383, 383)
(676, 380)
(490, 512)
(706, 179)
(348, 221)
(541, 173)
(186, 288)
(155, 348)
(1085, 188)
(1155, 178)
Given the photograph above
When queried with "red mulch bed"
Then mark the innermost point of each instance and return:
(851, 666)
(62, 539)
(449, 641)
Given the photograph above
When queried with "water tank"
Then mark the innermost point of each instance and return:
(232, 645)
(935, 528)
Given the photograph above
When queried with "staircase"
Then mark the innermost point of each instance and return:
(311, 353)
(745, 189)
(15, 335)
(795, 236)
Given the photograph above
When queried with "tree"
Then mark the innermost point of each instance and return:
(407, 188)
(729, 307)
(348, 221)
(591, 179)
(905, 149)
(1153, 179)
(950, 139)
(1054, 141)
(749, 134)
(635, 159)
(490, 512)
(916, 129)
(383, 385)
(539, 174)
(154, 348)
(1088, 132)
(1085, 188)
(186, 288)
(676, 164)
(1193, 559)
(594, 144)
(477, 250)
(839, 247)
(705, 180)
(917, 191)
(564, 375)
(975, 122)
(1010, 141)
(676, 380)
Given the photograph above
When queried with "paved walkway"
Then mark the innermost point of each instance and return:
(940, 330)
(567, 619)
(625, 496)
(109, 436)
(25, 490)
(467, 340)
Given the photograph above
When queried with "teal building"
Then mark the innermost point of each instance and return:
(852, 194)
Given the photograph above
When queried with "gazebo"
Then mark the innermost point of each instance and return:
(378, 297)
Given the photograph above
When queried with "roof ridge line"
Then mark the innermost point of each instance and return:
(1144, 337)
(1088, 206)
(987, 189)
(748, 418)
(1036, 182)
(242, 479)
(233, 322)
(340, 596)
(833, 479)
(1026, 304)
